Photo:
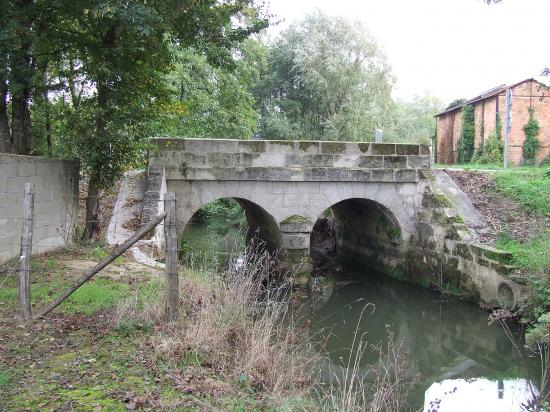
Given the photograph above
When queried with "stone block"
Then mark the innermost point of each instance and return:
(333, 147)
(364, 148)
(382, 148)
(194, 159)
(256, 146)
(257, 173)
(296, 224)
(418, 162)
(407, 149)
(395, 162)
(362, 176)
(405, 175)
(370, 162)
(382, 175)
(332, 175)
(280, 146)
(292, 159)
(315, 174)
(495, 254)
(295, 241)
(424, 150)
(425, 230)
(245, 159)
(309, 146)
(463, 250)
(317, 160)
(279, 174)
(223, 159)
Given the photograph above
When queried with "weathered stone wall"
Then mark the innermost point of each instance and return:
(444, 254)
(55, 202)
(389, 210)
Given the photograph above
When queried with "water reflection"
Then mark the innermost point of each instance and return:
(444, 337)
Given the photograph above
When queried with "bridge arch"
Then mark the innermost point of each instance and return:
(260, 221)
(358, 230)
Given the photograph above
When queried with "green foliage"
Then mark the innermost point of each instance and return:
(531, 144)
(455, 103)
(491, 152)
(540, 333)
(209, 101)
(531, 187)
(327, 79)
(467, 137)
(415, 121)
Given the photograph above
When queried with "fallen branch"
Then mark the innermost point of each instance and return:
(90, 273)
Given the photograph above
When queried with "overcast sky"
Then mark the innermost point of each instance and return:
(447, 48)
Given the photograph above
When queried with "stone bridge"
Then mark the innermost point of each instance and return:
(388, 211)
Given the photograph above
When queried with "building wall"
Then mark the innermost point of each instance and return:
(525, 95)
(449, 127)
(55, 202)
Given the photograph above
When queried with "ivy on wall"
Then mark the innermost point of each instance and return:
(492, 149)
(531, 144)
(467, 137)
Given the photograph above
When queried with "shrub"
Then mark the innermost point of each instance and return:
(531, 145)
(492, 150)
(467, 137)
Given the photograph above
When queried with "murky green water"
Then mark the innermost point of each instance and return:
(444, 338)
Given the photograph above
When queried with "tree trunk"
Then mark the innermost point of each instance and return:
(47, 110)
(20, 123)
(5, 133)
(93, 213)
(92, 201)
(21, 79)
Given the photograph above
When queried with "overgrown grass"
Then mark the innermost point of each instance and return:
(530, 187)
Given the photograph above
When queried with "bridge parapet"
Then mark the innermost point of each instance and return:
(290, 161)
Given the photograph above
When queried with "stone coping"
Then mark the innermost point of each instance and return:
(304, 146)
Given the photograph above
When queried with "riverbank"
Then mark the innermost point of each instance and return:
(516, 205)
(108, 348)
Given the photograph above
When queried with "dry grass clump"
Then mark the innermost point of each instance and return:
(232, 327)
(235, 337)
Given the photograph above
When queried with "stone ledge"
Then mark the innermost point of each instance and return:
(296, 174)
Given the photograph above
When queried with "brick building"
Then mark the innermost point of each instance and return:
(525, 94)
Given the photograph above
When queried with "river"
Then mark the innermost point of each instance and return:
(443, 337)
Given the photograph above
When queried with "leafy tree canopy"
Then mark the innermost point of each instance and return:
(326, 79)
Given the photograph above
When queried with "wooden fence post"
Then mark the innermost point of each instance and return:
(172, 282)
(26, 252)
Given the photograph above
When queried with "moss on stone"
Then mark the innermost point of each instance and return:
(435, 200)
(296, 219)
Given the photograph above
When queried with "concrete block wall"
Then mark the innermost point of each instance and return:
(55, 202)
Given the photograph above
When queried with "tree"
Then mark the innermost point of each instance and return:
(208, 101)
(326, 79)
(415, 121)
(110, 59)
